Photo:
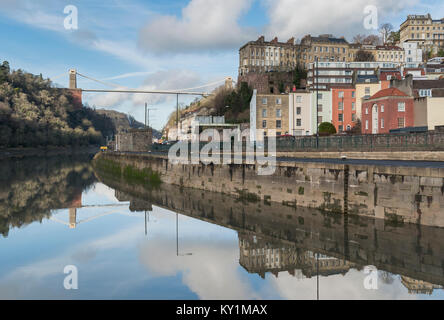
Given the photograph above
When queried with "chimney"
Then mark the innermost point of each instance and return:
(261, 39)
(291, 40)
(275, 40)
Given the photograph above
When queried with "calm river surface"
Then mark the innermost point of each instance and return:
(134, 243)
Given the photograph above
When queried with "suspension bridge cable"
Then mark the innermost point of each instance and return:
(109, 84)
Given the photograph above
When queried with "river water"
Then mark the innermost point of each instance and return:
(137, 242)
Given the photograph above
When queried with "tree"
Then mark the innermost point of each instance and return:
(394, 37)
(364, 56)
(359, 39)
(385, 29)
(440, 52)
(327, 128)
(372, 40)
(299, 74)
(4, 71)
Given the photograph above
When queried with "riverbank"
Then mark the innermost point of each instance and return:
(48, 151)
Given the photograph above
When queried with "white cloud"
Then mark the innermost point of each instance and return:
(205, 25)
(290, 18)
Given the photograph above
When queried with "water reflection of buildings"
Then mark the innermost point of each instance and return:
(418, 286)
(260, 256)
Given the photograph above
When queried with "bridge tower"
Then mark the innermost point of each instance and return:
(72, 78)
(76, 93)
(72, 218)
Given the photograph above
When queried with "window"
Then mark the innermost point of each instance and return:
(278, 101)
(264, 113)
(425, 93)
(319, 107)
(366, 124)
(264, 123)
(319, 119)
(401, 122)
(341, 128)
(340, 117)
(382, 108)
(264, 101)
(367, 90)
(341, 106)
(382, 123)
(353, 117)
(298, 99)
(278, 113)
(353, 94)
(298, 110)
(341, 94)
(278, 133)
(401, 107)
(366, 110)
(278, 124)
(298, 122)
(353, 106)
(319, 96)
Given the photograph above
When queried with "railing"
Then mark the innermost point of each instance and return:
(430, 141)
(424, 141)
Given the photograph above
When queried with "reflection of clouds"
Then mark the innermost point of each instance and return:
(350, 287)
(212, 271)
(101, 189)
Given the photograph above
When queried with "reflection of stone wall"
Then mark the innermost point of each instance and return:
(398, 194)
(411, 250)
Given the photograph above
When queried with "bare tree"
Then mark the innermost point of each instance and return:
(385, 30)
(372, 40)
(359, 38)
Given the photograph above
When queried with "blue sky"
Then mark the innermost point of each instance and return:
(169, 44)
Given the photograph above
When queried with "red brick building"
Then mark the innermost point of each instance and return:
(344, 108)
(386, 110)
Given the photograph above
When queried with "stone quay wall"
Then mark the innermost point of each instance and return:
(397, 194)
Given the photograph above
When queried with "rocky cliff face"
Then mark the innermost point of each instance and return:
(124, 122)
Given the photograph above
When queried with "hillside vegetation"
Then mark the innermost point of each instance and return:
(34, 113)
(233, 104)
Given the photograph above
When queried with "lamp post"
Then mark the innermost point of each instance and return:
(177, 239)
(317, 103)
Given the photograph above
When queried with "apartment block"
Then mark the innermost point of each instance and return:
(262, 56)
(423, 30)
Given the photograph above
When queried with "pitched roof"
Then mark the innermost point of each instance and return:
(390, 92)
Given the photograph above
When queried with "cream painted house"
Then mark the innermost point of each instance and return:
(300, 115)
(366, 86)
(429, 112)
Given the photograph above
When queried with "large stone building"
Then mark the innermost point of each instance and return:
(262, 56)
(423, 30)
(324, 48)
